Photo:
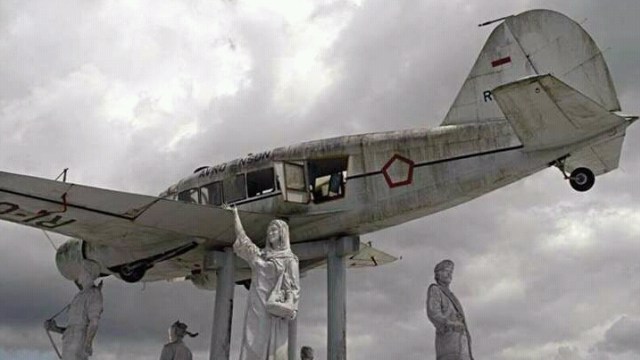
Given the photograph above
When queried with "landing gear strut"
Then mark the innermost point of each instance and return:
(134, 271)
(581, 179)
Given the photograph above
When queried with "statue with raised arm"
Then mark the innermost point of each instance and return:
(83, 313)
(176, 348)
(453, 341)
(273, 295)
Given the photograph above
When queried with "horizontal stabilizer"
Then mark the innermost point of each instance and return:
(368, 256)
(546, 113)
(599, 158)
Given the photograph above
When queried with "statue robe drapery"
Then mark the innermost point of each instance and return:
(265, 336)
(176, 350)
(85, 306)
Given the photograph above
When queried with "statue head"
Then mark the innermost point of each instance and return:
(178, 330)
(444, 272)
(306, 353)
(89, 272)
(277, 236)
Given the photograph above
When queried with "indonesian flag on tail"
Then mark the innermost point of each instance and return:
(501, 61)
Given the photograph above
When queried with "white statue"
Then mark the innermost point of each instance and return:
(84, 313)
(176, 349)
(273, 295)
(453, 341)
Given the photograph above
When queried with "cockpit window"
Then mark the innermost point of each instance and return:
(190, 196)
(211, 194)
(260, 182)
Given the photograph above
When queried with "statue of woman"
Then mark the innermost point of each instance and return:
(273, 295)
(176, 349)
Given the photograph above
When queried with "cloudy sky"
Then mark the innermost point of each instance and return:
(135, 95)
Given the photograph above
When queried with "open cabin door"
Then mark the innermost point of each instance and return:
(292, 181)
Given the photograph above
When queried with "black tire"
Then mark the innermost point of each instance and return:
(132, 274)
(582, 179)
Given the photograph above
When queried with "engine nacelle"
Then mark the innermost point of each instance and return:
(70, 255)
(69, 259)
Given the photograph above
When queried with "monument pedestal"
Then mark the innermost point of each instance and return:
(336, 250)
(223, 309)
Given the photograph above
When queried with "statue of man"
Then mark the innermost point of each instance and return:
(83, 313)
(453, 341)
(176, 349)
(273, 295)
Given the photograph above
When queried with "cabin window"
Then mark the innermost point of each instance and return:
(190, 196)
(234, 188)
(327, 178)
(260, 182)
(211, 194)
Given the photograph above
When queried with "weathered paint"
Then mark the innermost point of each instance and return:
(476, 150)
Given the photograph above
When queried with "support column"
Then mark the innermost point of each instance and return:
(293, 339)
(337, 295)
(223, 310)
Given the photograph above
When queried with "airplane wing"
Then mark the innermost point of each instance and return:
(117, 219)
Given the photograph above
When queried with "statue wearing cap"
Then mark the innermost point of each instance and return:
(84, 313)
(306, 353)
(453, 341)
(176, 349)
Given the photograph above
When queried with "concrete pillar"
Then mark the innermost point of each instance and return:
(293, 339)
(223, 310)
(337, 297)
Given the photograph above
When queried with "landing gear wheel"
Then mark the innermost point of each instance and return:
(582, 179)
(132, 274)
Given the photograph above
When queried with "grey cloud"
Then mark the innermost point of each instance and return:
(568, 353)
(622, 337)
(395, 66)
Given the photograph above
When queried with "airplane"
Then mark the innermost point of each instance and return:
(539, 95)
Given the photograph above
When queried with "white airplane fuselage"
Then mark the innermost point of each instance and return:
(392, 177)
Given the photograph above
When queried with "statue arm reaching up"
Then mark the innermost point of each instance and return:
(243, 246)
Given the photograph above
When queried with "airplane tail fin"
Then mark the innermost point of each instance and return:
(533, 43)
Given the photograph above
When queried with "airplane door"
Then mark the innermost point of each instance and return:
(292, 181)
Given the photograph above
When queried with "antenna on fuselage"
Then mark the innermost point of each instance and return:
(493, 21)
(63, 174)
